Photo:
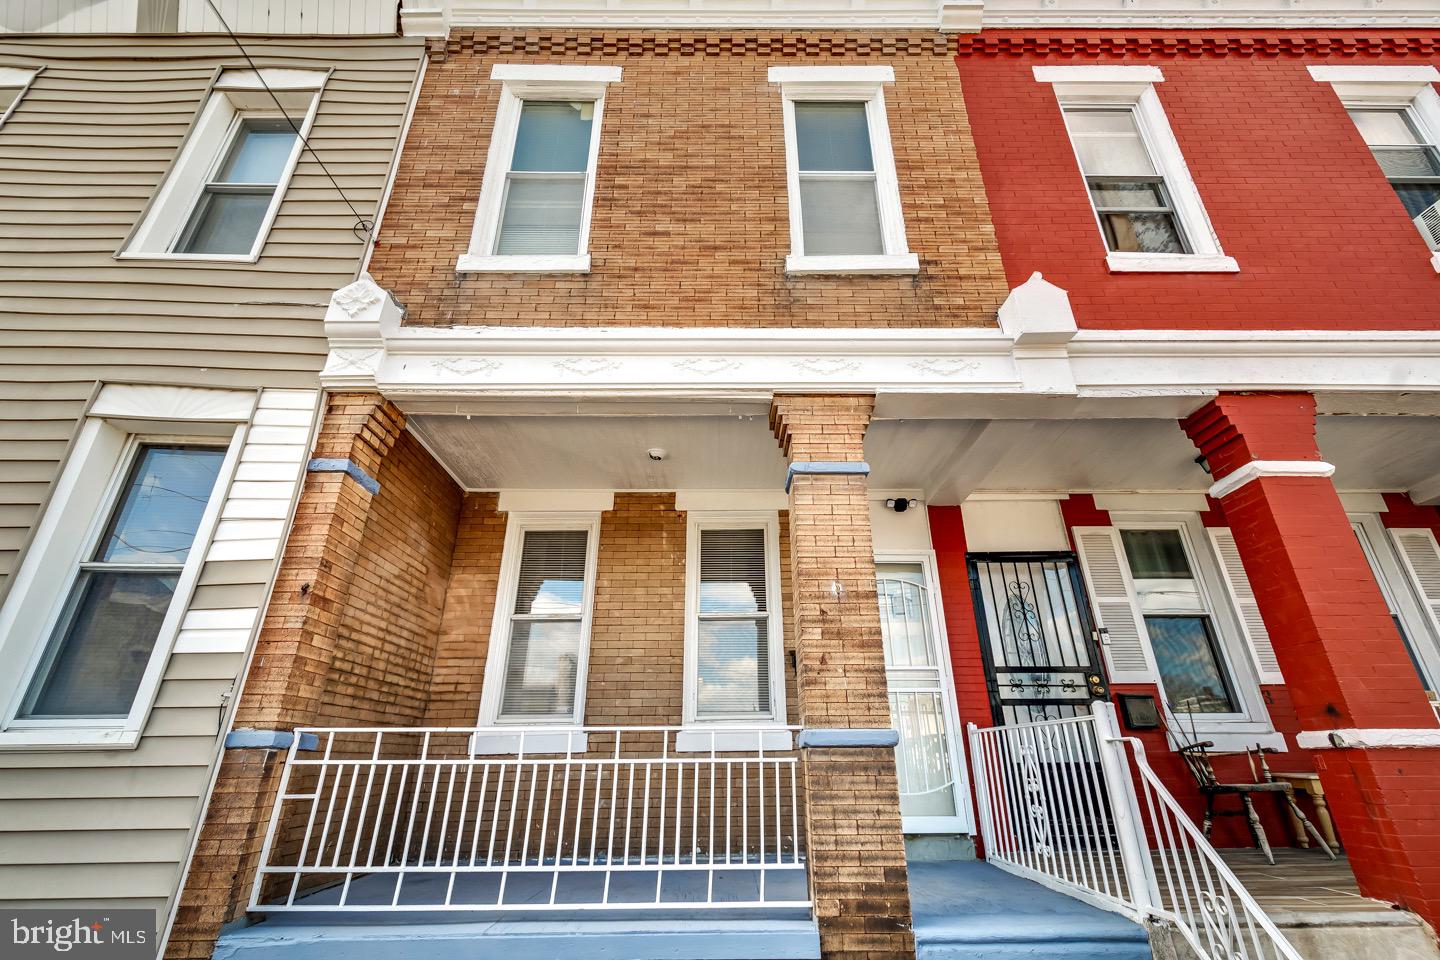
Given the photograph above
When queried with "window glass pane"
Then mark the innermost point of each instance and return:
(540, 672)
(107, 637)
(1133, 195)
(734, 668)
(833, 136)
(1156, 554)
(732, 571)
(1109, 143)
(261, 150)
(840, 217)
(552, 573)
(1384, 127)
(160, 509)
(1419, 197)
(225, 223)
(1190, 666)
(1408, 161)
(8, 95)
(1141, 233)
(542, 216)
(553, 136)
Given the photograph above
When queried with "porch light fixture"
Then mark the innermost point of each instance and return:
(1203, 464)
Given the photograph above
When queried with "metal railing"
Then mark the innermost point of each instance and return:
(1074, 805)
(610, 818)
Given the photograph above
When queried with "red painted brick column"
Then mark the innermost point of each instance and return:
(1344, 664)
(292, 658)
(852, 799)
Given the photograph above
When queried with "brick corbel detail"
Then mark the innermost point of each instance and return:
(292, 658)
(852, 799)
(1344, 663)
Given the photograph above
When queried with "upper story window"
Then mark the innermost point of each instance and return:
(540, 640)
(1410, 158)
(225, 189)
(539, 186)
(845, 213)
(14, 81)
(1146, 205)
(1397, 112)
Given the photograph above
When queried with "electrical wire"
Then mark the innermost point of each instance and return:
(363, 225)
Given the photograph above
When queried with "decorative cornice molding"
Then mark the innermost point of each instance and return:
(1256, 469)
(1201, 43)
(561, 42)
(1353, 738)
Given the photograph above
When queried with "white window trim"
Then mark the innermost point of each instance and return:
(205, 148)
(15, 78)
(1134, 87)
(521, 82)
(502, 736)
(1409, 87)
(84, 496)
(701, 731)
(1254, 718)
(1396, 586)
(846, 83)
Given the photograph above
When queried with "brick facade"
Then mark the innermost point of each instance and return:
(690, 224)
(1255, 169)
(858, 874)
(1344, 663)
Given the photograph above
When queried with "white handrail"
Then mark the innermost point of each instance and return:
(535, 818)
(1059, 804)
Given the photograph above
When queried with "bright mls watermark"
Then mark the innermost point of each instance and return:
(77, 934)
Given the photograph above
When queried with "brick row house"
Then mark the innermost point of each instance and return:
(865, 480)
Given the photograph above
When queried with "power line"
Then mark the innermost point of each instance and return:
(363, 225)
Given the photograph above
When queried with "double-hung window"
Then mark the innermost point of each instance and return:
(1410, 158)
(1146, 205)
(224, 191)
(733, 659)
(535, 201)
(105, 639)
(539, 643)
(844, 200)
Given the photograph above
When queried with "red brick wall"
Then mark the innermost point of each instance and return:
(690, 224)
(1291, 189)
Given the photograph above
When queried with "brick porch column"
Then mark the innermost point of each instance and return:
(1351, 681)
(292, 658)
(852, 800)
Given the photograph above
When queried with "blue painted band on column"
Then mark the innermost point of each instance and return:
(860, 737)
(268, 740)
(821, 468)
(349, 467)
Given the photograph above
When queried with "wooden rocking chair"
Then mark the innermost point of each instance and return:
(1197, 758)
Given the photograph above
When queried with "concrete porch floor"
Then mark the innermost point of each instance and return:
(1301, 881)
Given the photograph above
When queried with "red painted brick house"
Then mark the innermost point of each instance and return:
(775, 457)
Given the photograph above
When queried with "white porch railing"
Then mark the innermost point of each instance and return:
(1074, 805)
(611, 818)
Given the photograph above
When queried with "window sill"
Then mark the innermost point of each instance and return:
(897, 264)
(704, 739)
(1232, 740)
(190, 257)
(1170, 263)
(497, 740)
(36, 739)
(474, 263)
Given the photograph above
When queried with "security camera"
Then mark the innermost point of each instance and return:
(656, 453)
(900, 504)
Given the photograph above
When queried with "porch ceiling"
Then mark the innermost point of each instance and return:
(944, 460)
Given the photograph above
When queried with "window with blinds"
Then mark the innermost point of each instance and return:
(732, 636)
(545, 187)
(542, 662)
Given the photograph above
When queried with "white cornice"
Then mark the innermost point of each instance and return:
(1256, 469)
(1353, 738)
(1201, 14)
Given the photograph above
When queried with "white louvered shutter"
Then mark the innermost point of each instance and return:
(1237, 584)
(1421, 555)
(1107, 576)
(733, 642)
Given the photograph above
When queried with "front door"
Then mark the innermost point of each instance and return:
(934, 797)
(1042, 661)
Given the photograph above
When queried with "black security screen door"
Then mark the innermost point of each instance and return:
(1042, 661)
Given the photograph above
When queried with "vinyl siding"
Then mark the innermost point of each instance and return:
(79, 160)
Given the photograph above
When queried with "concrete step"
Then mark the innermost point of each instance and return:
(970, 910)
(1334, 935)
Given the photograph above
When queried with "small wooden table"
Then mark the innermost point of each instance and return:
(1309, 784)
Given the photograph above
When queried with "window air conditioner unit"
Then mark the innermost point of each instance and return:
(1429, 225)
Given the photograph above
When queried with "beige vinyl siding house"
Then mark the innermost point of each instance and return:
(86, 336)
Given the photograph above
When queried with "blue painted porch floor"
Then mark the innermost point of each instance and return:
(970, 910)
